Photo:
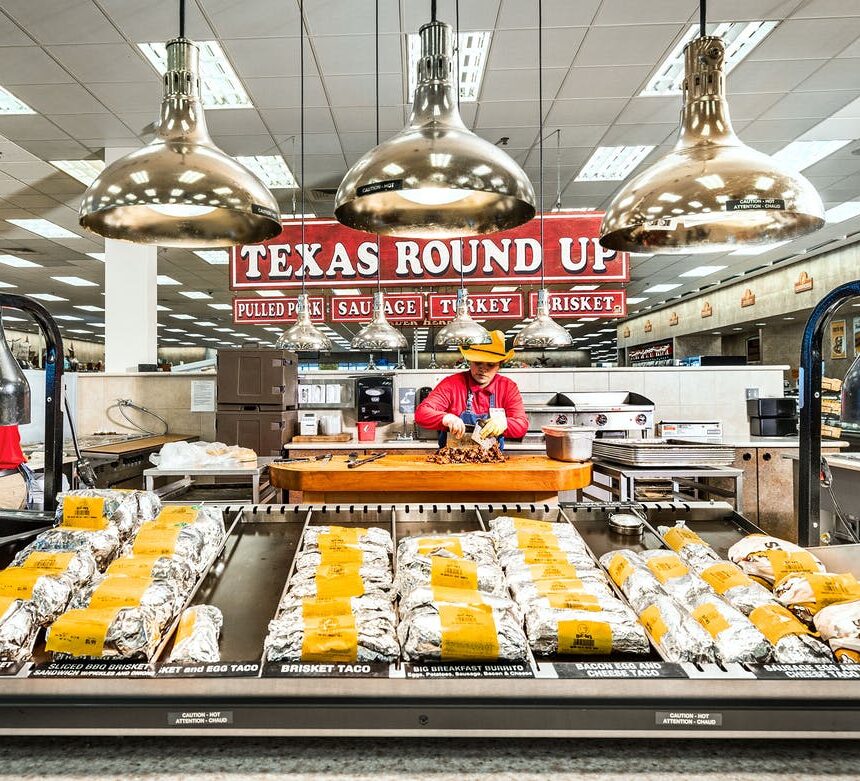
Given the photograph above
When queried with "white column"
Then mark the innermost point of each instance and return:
(131, 298)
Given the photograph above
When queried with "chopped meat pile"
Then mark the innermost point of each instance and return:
(467, 455)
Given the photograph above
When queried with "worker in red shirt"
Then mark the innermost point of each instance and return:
(471, 396)
(13, 486)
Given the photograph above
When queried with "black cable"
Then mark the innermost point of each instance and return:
(181, 18)
(703, 15)
(432, 10)
(378, 248)
(457, 87)
(302, 127)
(540, 137)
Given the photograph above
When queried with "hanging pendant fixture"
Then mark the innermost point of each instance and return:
(180, 190)
(543, 331)
(462, 331)
(303, 336)
(712, 192)
(435, 177)
(14, 388)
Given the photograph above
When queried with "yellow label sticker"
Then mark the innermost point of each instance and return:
(320, 607)
(177, 513)
(527, 540)
(330, 639)
(154, 540)
(554, 571)
(544, 556)
(80, 632)
(338, 580)
(334, 549)
(784, 563)
(430, 544)
(457, 596)
(453, 573)
(84, 512)
(653, 623)
(132, 566)
(724, 576)
(620, 569)
(57, 562)
(573, 600)
(119, 591)
(527, 524)
(18, 582)
(829, 589)
(711, 619)
(186, 627)
(5, 604)
(468, 632)
(847, 655)
(584, 637)
(565, 586)
(679, 536)
(668, 567)
(776, 622)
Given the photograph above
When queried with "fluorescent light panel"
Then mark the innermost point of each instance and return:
(219, 85)
(16, 262)
(224, 307)
(347, 291)
(612, 163)
(47, 297)
(183, 317)
(844, 211)
(661, 288)
(84, 171)
(10, 105)
(214, 257)
(197, 295)
(759, 249)
(163, 279)
(270, 293)
(100, 256)
(76, 281)
(7, 285)
(802, 154)
(474, 47)
(701, 271)
(740, 39)
(272, 170)
(45, 228)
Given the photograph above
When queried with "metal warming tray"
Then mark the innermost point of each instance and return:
(662, 452)
(545, 697)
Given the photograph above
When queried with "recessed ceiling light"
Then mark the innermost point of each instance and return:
(176, 330)
(473, 47)
(223, 307)
(89, 308)
(701, 271)
(740, 39)
(224, 330)
(7, 285)
(294, 216)
(187, 344)
(612, 163)
(67, 317)
(637, 299)
(16, 262)
(346, 291)
(219, 85)
(10, 105)
(45, 228)
(100, 256)
(47, 297)
(273, 330)
(79, 331)
(214, 257)
(504, 289)
(76, 281)
(204, 323)
(662, 288)
(789, 318)
(584, 288)
(802, 154)
(842, 212)
(83, 170)
(183, 317)
(737, 328)
(160, 308)
(761, 325)
(163, 279)
(759, 249)
(271, 293)
(271, 169)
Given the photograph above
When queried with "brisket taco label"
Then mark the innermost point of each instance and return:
(457, 596)
(468, 632)
(544, 555)
(553, 571)
(177, 513)
(155, 540)
(119, 591)
(530, 540)
(573, 600)
(330, 639)
(430, 544)
(322, 607)
(49, 561)
(133, 566)
(335, 549)
(338, 580)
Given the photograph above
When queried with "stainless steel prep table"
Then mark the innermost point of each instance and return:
(257, 472)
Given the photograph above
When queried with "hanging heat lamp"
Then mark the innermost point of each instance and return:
(303, 336)
(543, 331)
(180, 190)
(712, 192)
(435, 177)
(14, 388)
(378, 334)
(462, 331)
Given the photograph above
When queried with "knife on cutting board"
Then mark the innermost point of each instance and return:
(472, 438)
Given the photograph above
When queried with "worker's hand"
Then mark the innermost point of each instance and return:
(454, 424)
(492, 428)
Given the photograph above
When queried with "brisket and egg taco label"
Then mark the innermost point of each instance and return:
(335, 550)
(57, 562)
(553, 571)
(584, 637)
(776, 622)
(177, 513)
(724, 576)
(321, 607)
(709, 616)
(133, 566)
(536, 540)
(84, 512)
(453, 573)
(620, 569)
(668, 567)
(119, 591)
(156, 540)
(547, 587)
(332, 638)
(653, 623)
(544, 555)
(573, 600)
(527, 524)
(468, 633)
(80, 632)
(679, 536)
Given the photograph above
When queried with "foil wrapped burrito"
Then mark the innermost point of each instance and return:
(103, 545)
(95, 509)
(628, 571)
(196, 638)
(155, 568)
(340, 580)
(362, 558)
(676, 578)
(18, 629)
(205, 520)
(805, 594)
(378, 605)
(573, 600)
(148, 505)
(176, 541)
(544, 580)
(46, 591)
(364, 538)
(769, 559)
(585, 632)
(444, 569)
(839, 621)
(688, 545)
(78, 567)
(562, 538)
(677, 635)
(735, 637)
(462, 633)
(106, 633)
(161, 598)
(347, 638)
(734, 586)
(791, 640)
(517, 559)
(426, 598)
(471, 546)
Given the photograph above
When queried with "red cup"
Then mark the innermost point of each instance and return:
(367, 431)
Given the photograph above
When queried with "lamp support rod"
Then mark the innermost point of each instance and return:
(53, 393)
(302, 128)
(540, 130)
(809, 493)
(181, 18)
(703, 17)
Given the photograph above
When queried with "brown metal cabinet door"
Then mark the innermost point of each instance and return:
(257, 377)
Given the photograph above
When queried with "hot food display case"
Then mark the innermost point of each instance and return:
(596, 689)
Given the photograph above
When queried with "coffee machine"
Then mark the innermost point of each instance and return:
(375, 399)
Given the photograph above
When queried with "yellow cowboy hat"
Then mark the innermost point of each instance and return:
(494, 352)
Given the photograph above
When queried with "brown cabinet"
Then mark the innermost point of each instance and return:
(258, 377)
(264, 432)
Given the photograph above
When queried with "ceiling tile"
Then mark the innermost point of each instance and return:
(284, 92)
(836, 74)
(285, 121)
(807, 39)
(235, 122)
(584, 112)
(515, 14)
(770, 75)
(264, 57)
(653, 12)
(158, 20)
(618, 81)
(643, 44)
(360, 90)
(474, 14)
(11, 34)
(350, 54)
(56, 150)
(29, 65)
(639, 134)
(92, 126)
(59, 98)
(809, 104)
(518, 48)
(355, 118)
(515, 113)
(105, 62)
(128, 97)
(71, 21)
(521, 84)
(31, 127)
(784, 130)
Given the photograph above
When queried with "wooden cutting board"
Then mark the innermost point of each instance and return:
(144, 443)
(345, 437)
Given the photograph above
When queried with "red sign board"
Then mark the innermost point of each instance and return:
(399, 308)
(274, 310)
(336, 256)
(498, 306)
(573, 306)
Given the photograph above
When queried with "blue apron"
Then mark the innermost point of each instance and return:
(470, 418)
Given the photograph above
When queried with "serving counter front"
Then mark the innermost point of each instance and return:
(544, 696)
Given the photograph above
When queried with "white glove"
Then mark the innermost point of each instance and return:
(454, 424)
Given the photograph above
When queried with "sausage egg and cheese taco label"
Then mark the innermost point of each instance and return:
(776, 622)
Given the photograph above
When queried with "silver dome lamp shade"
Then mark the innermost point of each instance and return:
(435, 177)
(14, 388)
(462, 331)
(711, 192)
(303, 336)
(180, 190)
(379, 334)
